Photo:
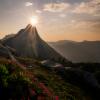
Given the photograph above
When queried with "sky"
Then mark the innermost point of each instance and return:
(75, 20)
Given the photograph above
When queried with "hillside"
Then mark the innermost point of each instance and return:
(86, 51)
(34, 83)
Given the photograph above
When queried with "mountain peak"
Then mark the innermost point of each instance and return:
(29, 26)
(31, 31)
(28, 43)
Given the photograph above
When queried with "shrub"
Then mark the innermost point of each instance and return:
(3, 76)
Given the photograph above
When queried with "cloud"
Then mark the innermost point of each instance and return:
(62, 15)
(90, 7)
(38, 11)
(73, 21)
(56, 7)
(86, 25)
(28, 4)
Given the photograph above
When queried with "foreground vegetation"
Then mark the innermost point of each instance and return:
(40, 83)
(34, 84)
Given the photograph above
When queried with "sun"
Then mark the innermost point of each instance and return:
(34, 20)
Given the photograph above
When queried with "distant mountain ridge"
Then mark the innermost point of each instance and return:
(85, 51)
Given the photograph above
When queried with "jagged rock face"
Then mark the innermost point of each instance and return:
(28, 43)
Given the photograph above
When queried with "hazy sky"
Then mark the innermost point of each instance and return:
(58, 19)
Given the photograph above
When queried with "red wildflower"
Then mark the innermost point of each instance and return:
(56, 98)
(28, 98)
(45, 89)
(40, 97)
(32, 92)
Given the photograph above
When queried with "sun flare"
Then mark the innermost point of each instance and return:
(34, 20)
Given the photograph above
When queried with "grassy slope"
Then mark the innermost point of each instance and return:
(57, 85)
(64, 90)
